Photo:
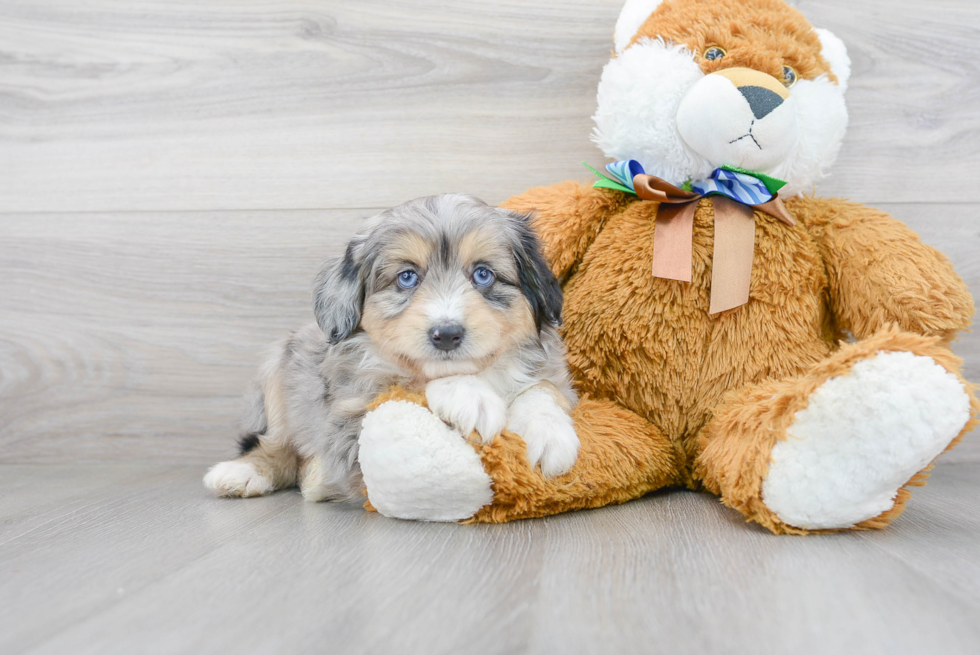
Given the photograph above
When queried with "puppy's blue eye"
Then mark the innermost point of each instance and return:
(408, 279)
(483, 277)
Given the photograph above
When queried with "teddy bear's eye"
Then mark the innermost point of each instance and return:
(714, 52)
(789, 76)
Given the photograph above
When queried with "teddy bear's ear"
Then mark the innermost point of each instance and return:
(835, 52)
(633, 15)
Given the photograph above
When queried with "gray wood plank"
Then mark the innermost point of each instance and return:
(29, 496)
(73, 559)
(938, 538)
(678, 572)
(673, 572)
(131, 337)
(134, 336)
(301, 104)
(128, 336)
(910, 100)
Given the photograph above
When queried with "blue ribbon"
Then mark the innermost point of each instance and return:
(740, 186)
(737, 186)
(624, 171)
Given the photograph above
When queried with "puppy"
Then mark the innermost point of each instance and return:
(445, 295)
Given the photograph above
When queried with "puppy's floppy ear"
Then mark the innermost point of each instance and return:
(539, 284)
(338, 294)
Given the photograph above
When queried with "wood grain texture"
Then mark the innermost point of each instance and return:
(134, 336)
(172, 173)
(251, 104)
(131, 337)
(141, 560)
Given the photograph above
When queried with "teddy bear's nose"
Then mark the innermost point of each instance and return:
(762, 101)
(764, 93)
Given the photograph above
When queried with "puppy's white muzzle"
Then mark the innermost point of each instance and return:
(739, 117)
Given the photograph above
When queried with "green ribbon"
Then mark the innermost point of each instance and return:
(773, 184)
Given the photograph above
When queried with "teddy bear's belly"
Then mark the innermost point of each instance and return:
(649, 343)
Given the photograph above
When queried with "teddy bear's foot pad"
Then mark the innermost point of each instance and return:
(862, 436)
(417, 467)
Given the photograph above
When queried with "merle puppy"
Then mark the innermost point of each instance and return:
(443, 294)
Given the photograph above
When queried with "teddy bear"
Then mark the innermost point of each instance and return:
(727, 330)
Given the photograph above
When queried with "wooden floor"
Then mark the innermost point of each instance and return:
(171, 175)
(138, 559)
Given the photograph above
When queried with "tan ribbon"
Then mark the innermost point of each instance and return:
(731, 267)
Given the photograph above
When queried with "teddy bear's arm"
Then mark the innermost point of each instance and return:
(881, 273)
(567, 218)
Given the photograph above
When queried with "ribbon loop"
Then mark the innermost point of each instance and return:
(624, 171)
(650, 187)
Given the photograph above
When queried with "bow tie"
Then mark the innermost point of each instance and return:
(735, 194)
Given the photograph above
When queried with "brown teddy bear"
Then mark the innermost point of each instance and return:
(708, 302)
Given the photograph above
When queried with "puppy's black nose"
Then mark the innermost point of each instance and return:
(447, 337)
(761, 100)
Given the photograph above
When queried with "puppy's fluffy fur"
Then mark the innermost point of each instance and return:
(443, 294)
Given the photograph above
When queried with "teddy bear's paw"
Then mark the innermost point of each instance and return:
(237, 479)
(862, 436)
(417, 467)
(466, 402)
(547, 430)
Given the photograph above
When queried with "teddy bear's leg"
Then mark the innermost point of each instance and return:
(621, 457)
(416, 467)
(837, 447)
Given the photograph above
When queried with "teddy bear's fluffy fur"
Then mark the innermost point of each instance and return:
(643, 86)
(675, 397)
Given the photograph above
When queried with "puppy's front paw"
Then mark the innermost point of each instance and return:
(466, 402)
(547, 430)
(237, 478)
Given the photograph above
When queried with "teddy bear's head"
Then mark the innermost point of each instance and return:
(695, 85)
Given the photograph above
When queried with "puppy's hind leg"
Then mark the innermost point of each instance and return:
(267, 461)
(262, 469)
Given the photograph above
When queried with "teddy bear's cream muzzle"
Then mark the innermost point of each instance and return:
(739, 117)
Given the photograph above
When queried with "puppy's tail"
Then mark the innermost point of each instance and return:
(254, 423)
